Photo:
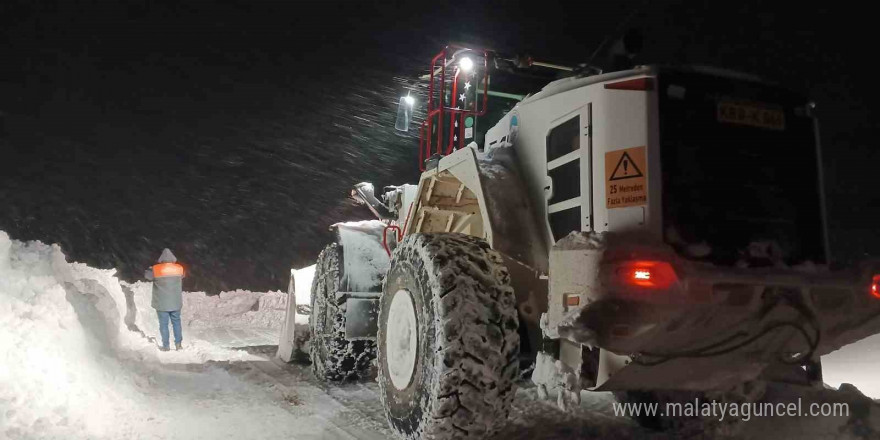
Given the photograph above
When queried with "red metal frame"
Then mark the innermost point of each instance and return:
(406, 222)
(385, 237)
(437, 109)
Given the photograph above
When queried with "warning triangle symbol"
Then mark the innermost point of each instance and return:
(626, 169)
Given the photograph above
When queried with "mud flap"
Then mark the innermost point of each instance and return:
(361, 318)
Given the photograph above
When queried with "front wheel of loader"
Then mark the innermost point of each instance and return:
(448, 340)
(333, 357)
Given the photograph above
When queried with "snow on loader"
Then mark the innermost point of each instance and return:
(656, 232)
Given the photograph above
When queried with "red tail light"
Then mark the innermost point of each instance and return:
(649, 274)
(875, 286)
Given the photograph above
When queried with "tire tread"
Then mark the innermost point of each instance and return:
(334, 358)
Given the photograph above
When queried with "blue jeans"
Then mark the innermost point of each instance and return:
(163, 326)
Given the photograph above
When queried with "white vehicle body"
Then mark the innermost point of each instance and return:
(578, 190)
(620, 225)
(622, 119)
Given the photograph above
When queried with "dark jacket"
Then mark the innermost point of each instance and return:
(167, 277)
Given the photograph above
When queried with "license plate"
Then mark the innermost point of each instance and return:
(751, 114)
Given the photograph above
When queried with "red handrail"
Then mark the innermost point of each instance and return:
(453, 118)
(385, 237)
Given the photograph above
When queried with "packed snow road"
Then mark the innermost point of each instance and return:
(354, 411)
(78, 360)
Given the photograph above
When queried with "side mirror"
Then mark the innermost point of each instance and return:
(404, 113)
(365, 193)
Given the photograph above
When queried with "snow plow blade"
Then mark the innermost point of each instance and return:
(295, 333)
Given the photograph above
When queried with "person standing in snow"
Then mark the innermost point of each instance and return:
(167, 277)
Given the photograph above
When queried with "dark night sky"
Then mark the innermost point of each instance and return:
(231, 133)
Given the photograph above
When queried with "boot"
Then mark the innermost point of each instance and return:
(178, 347)
(164, 349)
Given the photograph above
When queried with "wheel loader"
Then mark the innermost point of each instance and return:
(655, 232)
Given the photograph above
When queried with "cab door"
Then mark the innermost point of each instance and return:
(568, 188)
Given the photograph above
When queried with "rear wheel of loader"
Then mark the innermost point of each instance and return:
(448, 339)
(694, 425)
(333, 357)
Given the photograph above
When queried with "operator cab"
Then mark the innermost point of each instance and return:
(721, 166)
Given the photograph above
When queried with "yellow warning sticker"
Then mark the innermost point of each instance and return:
(626, 178)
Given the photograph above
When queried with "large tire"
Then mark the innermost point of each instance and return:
(456, 312)
(334, 358)
(696, 425)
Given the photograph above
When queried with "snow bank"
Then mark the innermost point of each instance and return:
(232, 319)
(240, 308)
(43, 336)
(234, 309)
(69, 368)
(855, 364)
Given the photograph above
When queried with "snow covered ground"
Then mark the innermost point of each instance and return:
(858, 364)
(71, 368)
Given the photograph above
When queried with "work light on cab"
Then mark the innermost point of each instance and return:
(466, 64)
(648, 274)
(404, 112)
